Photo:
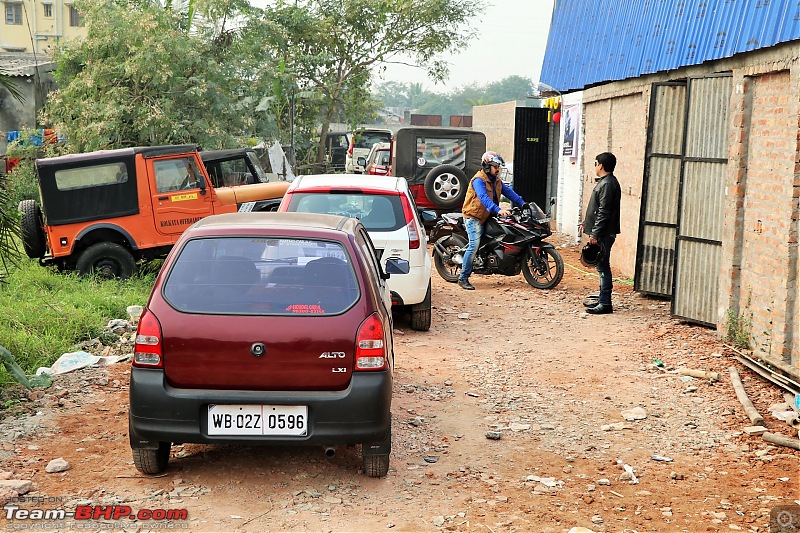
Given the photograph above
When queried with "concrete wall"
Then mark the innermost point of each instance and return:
(758, 279)
(571, 173)
(497, 122)
(15, 115)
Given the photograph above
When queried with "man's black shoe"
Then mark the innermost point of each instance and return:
(600, 309)
(591, 303)
(465, 284)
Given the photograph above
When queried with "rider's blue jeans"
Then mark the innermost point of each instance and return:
(474, 232)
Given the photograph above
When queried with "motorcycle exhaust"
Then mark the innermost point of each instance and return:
(457, 258)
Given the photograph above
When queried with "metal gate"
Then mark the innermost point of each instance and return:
(701, 215)
(680, 230)
(658, 225)
(531, 145)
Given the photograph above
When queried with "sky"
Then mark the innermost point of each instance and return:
(511, 38)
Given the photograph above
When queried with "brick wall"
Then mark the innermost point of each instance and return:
(764, 204)
(619, 126)
(497, 122)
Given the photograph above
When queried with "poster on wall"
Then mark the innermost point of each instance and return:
(571, 118)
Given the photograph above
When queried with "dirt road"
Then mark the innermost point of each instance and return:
(505, 360)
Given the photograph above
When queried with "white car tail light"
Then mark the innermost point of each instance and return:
(370, 348)
(414, 239)
(147, 350)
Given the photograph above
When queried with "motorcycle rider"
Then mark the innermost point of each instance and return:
(482, 201)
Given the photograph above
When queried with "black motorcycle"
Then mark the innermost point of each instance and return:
(508, 246)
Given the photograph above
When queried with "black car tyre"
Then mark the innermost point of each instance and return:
(446, 186)
(377, 465)
(545, 270)
(151, 461)
(32, 228)
(106, 260)
(445, 266)
(421, 313)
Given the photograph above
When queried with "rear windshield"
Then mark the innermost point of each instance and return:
(378, 212)
(262, 276)
(366, 139)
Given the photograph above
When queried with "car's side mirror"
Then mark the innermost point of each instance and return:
(362, 161)
(428, 215)
(395, 265)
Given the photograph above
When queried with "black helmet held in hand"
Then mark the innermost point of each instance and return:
(592, 254)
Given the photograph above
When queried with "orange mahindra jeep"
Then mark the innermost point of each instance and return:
(101, 212)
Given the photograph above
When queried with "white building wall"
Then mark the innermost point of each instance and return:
(570, 169)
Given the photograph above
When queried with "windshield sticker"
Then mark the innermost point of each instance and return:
(183, 197)
(304, 309)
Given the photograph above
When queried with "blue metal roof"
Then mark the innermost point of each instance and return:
(596, 41)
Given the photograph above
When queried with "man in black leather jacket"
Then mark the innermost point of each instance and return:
(601, 224)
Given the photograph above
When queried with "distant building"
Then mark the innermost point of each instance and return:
(33, 78)
(36, 27)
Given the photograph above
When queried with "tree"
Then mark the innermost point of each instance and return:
(9, 227)
(145, 75)
(332, 45)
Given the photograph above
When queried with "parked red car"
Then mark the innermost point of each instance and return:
(266, 328)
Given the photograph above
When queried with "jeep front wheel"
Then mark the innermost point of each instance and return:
(106, 260)
(32, 229)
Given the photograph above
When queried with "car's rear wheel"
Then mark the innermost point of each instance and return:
(375, 457)
(446, 186)
(421, 313)
(32, 229)
(151, 461)
(106, 260)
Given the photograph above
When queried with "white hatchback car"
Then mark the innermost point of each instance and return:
(361, 143)
(387, 210)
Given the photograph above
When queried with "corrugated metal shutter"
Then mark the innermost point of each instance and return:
(702, 200)
(531, 145)
(658, 226)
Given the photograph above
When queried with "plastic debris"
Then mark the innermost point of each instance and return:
(661, 458)
(73, 361)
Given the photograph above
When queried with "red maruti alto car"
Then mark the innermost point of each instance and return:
(266, 328)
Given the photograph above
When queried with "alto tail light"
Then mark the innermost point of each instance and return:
(147, 351)
(414, 239)
(370, 348)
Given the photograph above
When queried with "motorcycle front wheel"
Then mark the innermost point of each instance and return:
(445, 266)
(543, 268)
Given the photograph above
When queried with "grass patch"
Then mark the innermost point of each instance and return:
(47, 313)
(738, 328)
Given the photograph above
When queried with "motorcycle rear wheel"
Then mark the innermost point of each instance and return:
(545, 270)
(445, 266)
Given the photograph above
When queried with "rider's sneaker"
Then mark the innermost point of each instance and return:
(465, 284)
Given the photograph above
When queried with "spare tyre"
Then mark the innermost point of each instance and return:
(446, 186)
(32, 229)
